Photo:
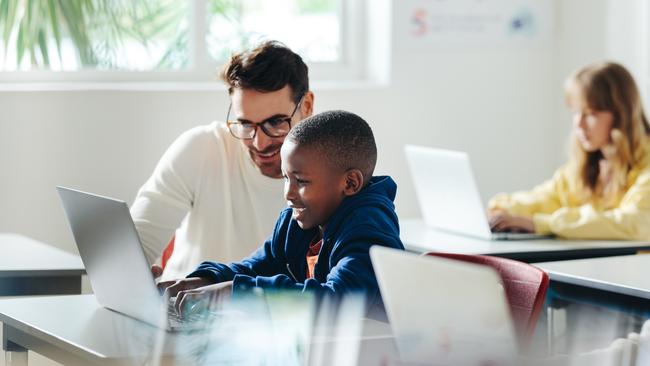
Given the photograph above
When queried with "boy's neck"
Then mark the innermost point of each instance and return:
(321, 229)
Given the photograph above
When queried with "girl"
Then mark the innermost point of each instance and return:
(603, 191)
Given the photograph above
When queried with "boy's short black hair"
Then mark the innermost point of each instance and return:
(266, 68)
(343, 139)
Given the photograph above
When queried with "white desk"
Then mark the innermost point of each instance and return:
(625, 275)
(619, 284)
(76, 330)
(29, 267)
(417, 237)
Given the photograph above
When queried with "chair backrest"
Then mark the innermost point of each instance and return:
(525, 286)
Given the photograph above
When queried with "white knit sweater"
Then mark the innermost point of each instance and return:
(209, 192)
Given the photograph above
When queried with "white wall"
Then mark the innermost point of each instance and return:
(502, 105)
(627, 38)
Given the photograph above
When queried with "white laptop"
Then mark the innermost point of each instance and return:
(110, 249)
(448, 195)
(444, 311)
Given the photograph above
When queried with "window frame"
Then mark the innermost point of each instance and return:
(203, 71)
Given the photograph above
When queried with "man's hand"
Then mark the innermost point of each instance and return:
(156, 270)
(206, 297)
(503, 221)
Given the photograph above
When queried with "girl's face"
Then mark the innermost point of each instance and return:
(591, 127)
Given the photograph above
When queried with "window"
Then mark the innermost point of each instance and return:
(168, 40)
(100, 35)
(311, 27)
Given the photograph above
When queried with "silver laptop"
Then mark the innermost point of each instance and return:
(110, 249)
(444, 310)
(448, 196)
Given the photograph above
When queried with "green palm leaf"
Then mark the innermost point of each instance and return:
(8, 10)
(52, 10)
(42, 43)
(99, 30)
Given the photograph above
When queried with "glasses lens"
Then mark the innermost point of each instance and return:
(277, 127)
(242, 130)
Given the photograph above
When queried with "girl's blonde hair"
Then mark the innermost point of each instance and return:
(608, 86)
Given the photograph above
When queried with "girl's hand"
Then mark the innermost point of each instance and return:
(502, 221)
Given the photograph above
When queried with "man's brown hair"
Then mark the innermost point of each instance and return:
(268, 67)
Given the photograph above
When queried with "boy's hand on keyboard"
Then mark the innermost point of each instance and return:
(171, 288)
(206, 297)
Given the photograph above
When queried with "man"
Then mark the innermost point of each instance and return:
(217, 190)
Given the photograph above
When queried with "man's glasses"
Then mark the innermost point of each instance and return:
(273, 127)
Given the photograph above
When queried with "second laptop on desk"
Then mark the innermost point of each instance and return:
(448, 196)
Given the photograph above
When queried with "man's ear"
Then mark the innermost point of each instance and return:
(307, 105)
(353, 182)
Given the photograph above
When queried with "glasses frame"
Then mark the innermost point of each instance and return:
(260, 125)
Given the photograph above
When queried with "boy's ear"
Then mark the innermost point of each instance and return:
(353, 182)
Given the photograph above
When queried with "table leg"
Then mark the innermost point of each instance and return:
(550, 331)
(14, 358)
(15, 354)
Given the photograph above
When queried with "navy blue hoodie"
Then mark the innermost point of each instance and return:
(361, 221)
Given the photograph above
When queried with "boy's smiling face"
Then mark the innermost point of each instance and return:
(313, 187)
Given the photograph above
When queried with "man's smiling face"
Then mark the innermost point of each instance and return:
(252, 106)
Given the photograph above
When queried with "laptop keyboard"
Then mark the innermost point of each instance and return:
(192, 321)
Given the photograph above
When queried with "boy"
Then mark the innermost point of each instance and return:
(336, 212)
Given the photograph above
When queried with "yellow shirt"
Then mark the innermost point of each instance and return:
(555, 206)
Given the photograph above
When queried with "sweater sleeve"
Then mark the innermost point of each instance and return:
(266, 261)
(544, 198)
(630, 220)
(261, 262)
(351, 274)
(350, 271)
(168, 195)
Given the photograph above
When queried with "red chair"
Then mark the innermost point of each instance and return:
(525, 286)
(169, 249)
